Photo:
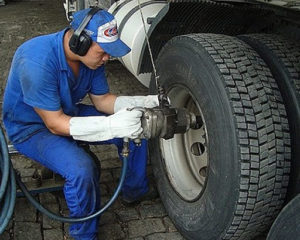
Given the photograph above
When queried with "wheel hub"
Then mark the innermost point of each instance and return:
(185, 156)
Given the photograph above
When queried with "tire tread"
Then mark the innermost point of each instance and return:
(262, 130)
(283, 57)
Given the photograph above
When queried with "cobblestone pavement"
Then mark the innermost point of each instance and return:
(22, 20)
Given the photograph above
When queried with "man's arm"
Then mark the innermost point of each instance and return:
(59, 123)
(92, 129)
(56, 121)
(104, 103)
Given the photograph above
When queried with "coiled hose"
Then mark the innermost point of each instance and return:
(7, 185)
(8, 190)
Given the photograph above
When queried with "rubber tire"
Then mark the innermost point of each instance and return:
(248, 137)
(286, 225)
(282, 55)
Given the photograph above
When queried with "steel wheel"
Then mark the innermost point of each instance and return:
(186, 155)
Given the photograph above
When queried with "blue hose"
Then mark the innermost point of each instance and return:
(52, 215)
(7, 185)
(8, 190)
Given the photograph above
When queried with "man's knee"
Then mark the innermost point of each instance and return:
(83, 170)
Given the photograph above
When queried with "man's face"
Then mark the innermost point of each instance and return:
(95, 57)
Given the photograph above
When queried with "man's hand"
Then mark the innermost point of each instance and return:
(126, 123)
(123, 102)
(122, 124)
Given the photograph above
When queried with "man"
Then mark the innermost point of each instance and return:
(43, 115)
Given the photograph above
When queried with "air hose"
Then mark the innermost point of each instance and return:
(8, 189)
(7, 185)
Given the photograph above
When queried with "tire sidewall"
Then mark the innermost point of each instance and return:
(185, 63)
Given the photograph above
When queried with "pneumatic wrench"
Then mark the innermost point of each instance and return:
(164, 121)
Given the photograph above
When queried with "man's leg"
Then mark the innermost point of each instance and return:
(136, 181)
(63, 156)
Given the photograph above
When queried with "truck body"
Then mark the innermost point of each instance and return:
(235, 63)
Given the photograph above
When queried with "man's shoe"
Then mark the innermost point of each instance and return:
(150, 195)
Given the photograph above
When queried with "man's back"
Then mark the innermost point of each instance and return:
(40, 77)
(32, 62)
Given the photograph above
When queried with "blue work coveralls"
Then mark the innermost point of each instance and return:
(41, 78)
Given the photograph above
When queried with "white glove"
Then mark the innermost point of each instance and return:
(122, 102)
(119, 125)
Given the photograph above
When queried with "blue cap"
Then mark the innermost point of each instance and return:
(102, 28)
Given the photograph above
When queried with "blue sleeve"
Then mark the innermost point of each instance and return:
(99, 82)
(39, 85)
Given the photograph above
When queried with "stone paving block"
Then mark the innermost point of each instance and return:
(116, 205)
(153, 210)
(46, 198)
(111, 187)
(65, 212)
(63, 205)
(116, 173)
(106, 176)
(66, 231)
(108, 217)
(128, 214)
(105, 152)
(138, 228)
(49, 222)
(61, 201)
(111, 163)
(20, 162)
(149, 170)
(103, 189)
(10, 225)
(27, 231)
(169, 225)
(24, 211)
(111, 232)
(165, 236)
(53, 234)
(5, 236)
(27, 172)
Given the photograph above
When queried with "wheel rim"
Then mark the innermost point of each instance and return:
(185, 156)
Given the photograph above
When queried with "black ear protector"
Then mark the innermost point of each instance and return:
(80, 41)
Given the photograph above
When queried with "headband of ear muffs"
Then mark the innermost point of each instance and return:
(80, 41)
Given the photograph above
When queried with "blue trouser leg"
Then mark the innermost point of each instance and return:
(63, 156)
(136, 181)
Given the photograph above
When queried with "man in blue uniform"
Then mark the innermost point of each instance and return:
(44, 118)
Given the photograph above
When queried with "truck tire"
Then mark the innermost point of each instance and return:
(283, 58)
(286, 225)
(228, 179)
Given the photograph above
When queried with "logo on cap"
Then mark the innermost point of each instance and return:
(111, 32)
(108, 32)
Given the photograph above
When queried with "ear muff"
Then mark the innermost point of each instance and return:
(80, 45)
(80, 41)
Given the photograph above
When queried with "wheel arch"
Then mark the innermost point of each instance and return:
(185, 17)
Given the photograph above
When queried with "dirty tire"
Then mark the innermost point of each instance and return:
(247, 139)
(282, 55)
(286, 225)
